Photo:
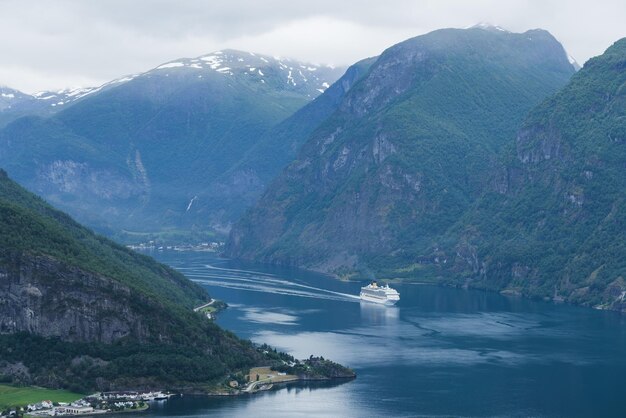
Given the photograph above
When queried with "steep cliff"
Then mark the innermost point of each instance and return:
(43, 296)
(79, 310)
(555, 226)
(408, 150)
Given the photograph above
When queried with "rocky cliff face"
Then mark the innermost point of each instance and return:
(409, 148)
(554, 227)
(81, 312)
(42, 296)
(58, 279)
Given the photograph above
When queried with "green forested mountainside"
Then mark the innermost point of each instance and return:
(141, 154)
(555, 227)
(280, 145)
(81, 312)
(410, 148)
(30, 225)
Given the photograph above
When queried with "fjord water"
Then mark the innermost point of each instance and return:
(439, 352)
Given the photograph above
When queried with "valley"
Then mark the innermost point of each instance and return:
(203, 226)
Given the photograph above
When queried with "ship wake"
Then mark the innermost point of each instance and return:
(252, 281)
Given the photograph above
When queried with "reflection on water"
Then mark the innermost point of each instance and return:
(439, 352)
(304, 399)
(267, 316)
(374, 314)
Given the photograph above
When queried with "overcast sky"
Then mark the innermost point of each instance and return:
(51, 44)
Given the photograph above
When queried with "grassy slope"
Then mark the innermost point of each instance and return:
(20, 396)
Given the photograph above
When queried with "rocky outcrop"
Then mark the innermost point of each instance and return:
(69, 177)
(42, 296)
(537, 144)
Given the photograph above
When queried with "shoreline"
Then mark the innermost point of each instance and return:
(264, 378)
(95, 412)
(273, 385)
(445, 283)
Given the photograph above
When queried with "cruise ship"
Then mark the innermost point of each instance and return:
(379, 294)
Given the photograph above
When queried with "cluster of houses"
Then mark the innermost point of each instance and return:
(47, 408)
(131, 396)
(39, 406)
(91, 405)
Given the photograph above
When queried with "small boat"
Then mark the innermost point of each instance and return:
(379, 294)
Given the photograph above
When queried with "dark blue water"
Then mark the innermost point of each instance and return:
(439, 352)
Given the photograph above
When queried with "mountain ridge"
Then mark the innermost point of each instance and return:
(553, 228)
(107, 159)
(405, 153)
(79, 311)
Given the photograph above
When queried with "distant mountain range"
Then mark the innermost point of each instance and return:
(148, 152)
(15, 104)
(474, 157)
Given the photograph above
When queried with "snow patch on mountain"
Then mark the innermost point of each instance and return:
(227, 63)
(69, 95)
(170, 65)
(487, 26)
(214, 61)
(232, 62)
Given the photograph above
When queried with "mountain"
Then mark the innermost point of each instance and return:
(141, 153)
(10, 97)
(77, 310)
(15, 104)
(552, 225)
(245, 181)
(408, 150)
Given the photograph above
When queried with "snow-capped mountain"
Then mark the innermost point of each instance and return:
(488, 26)
(291, 74)
(10, 97)
(15, 104)
(63, 97)
(147, 150)
(283, 73)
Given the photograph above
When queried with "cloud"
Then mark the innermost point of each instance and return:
(56, 43)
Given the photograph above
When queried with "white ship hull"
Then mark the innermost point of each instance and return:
(381, 295)
(381, 301)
